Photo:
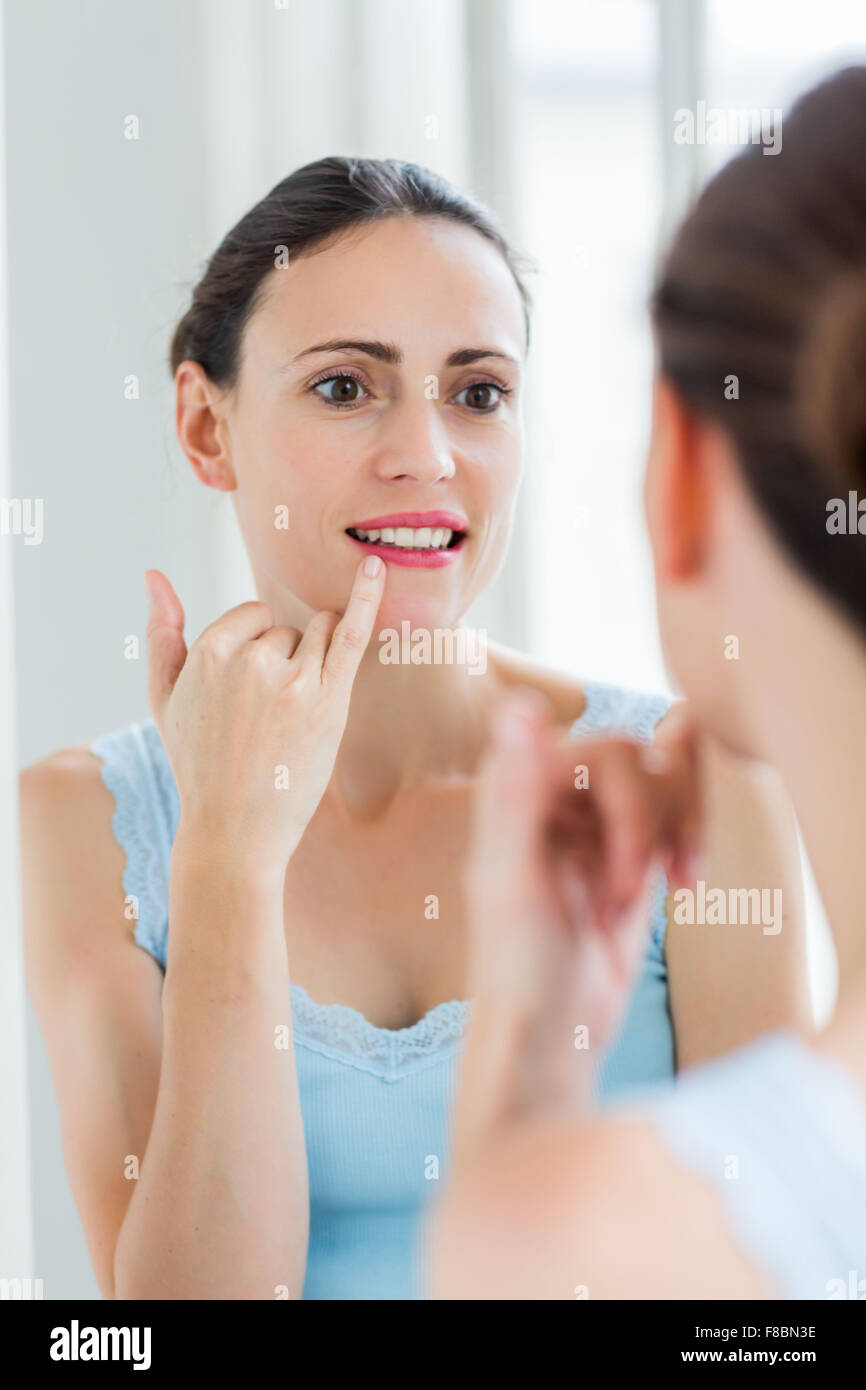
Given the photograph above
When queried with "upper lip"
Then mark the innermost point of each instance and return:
(453, 521)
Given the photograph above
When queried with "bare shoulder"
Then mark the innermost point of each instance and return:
(670, 1222)
(605, 1212)
(564, 691)
(70, 771)
(66, 806)
(72, 866)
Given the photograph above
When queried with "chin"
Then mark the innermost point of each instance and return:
(419, 611)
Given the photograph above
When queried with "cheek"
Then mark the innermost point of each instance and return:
(496, 476)
(280, 503)
(292, 473)
(495, 489)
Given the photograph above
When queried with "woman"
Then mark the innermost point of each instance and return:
(269, 1122)
(749, 1178)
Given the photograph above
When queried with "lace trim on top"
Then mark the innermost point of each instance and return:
(136, 770)
(133, 768)
(612, 709)
(339, 1031)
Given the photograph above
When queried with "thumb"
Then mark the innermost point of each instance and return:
(166, 648)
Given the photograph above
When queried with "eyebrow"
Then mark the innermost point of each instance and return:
(390, 353)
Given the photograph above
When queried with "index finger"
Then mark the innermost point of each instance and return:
(352, 633)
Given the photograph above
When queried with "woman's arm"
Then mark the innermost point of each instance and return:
(729, 981)
(221, 1208)
(181, 1126)
(94, 991)
(211, 1130)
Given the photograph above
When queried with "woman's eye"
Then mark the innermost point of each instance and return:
(482, 396)
(340, 390)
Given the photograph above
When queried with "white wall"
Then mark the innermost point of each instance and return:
(100, 230)
(16, 1229)
(106, 237)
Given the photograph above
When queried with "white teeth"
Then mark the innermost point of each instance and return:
(408, 537)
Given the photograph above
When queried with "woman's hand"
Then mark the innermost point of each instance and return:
(252, 715)
(559, 887)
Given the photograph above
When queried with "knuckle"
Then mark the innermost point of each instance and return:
(257, 609)
(352, 639)
(258, 655)
(212, 645)
(321, 619)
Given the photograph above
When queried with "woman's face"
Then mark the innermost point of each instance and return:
(380, 390)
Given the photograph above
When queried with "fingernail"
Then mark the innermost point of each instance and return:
(148, 584)
(372, 566)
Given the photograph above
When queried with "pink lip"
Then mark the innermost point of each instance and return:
(453, 520)
(411, 559)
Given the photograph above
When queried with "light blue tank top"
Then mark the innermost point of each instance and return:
(780, 1130)
(376, 1102)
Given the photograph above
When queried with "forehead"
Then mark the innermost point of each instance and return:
(428, 284)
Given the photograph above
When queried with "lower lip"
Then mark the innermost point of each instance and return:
(412, 559)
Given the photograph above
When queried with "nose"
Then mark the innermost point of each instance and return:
(414, 446)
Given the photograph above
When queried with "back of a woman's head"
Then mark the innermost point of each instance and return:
(765, 282)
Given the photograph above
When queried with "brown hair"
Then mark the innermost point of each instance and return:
(303, 212)
(766, 281)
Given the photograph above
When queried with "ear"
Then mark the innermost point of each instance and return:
(677, 489)
(202, 429)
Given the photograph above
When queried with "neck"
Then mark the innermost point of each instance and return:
(408, 723)
(810, 726)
